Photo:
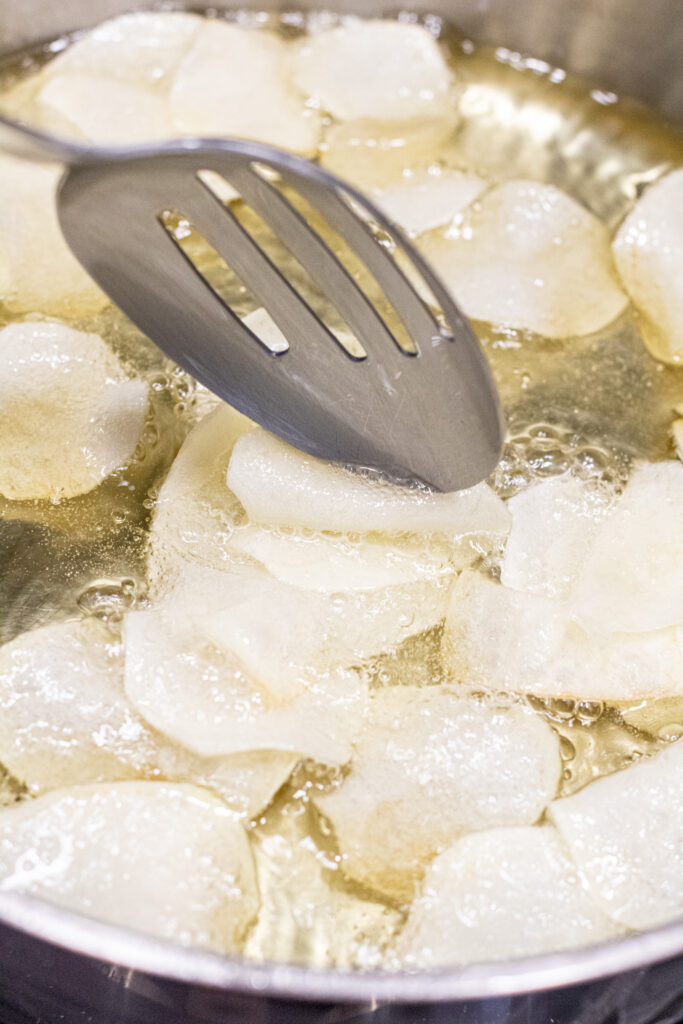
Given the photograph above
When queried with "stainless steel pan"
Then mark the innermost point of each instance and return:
(59, 968)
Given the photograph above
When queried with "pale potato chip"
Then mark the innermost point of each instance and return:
(627, 666)
(69, 416)
(104, 110)
(428, 199)
(625, 833)
(376, 154)
(527, 256)
(339, 563)
(235, 82)
(380, 69)
(279, 632)
(66, 720)
(648, 250)
(110, 85)
(553, 524)
(498, 639)
(281, 486)
(189, 671)
(498, 895)
(631, 581)
(63, 717)
(429, 766)
(142, 49)
(195, 512)
(246, 781)
(38, 272)
(156, 857)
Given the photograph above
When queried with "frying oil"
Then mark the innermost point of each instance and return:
(589, 405)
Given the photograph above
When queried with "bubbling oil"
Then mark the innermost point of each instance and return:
(588, 406)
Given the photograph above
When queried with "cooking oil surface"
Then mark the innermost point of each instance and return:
(587, 405)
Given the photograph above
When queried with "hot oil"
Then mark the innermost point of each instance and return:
(587, 405)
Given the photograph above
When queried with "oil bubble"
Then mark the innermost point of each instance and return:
(108, 599)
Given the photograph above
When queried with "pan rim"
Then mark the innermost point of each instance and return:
(147, 954)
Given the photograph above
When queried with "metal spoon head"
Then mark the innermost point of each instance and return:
(427, 411)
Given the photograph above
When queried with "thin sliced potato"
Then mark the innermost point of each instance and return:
(235, 82)
(502, 639)
(498, 895)
(69, 416)
(104, 110)
(160, 858)
(632, 580)
(553, 525)
(527, 256)
(380, 69)
(142, 49)
(186, 672)
(376, 155)
(429, 766)
(281, 486)
(65, 720)
(428, 199)
(625, 833)
(195, 512)
(340, 563)
(648, 250)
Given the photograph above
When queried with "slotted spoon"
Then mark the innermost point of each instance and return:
(431, 415)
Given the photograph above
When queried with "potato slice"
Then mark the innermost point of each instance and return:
(189, 671)
(497, 895)
(104, 110)
(235, 82)
(160, 858)
(38, 272)
(195, 512)
(111, 85)
(280, 632)
(65, 720)
(427, 199)
(382, 69)
(429, 766)
(281, 486)
(648, 251)
(69, 416)
(246, 781)
(336, 564)
(501, 639)
(377, 154)
(628, 666)
(527, 256)
(142, 49)
(498, 638)
(625, 833)
(632, 580)
(553, 525)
